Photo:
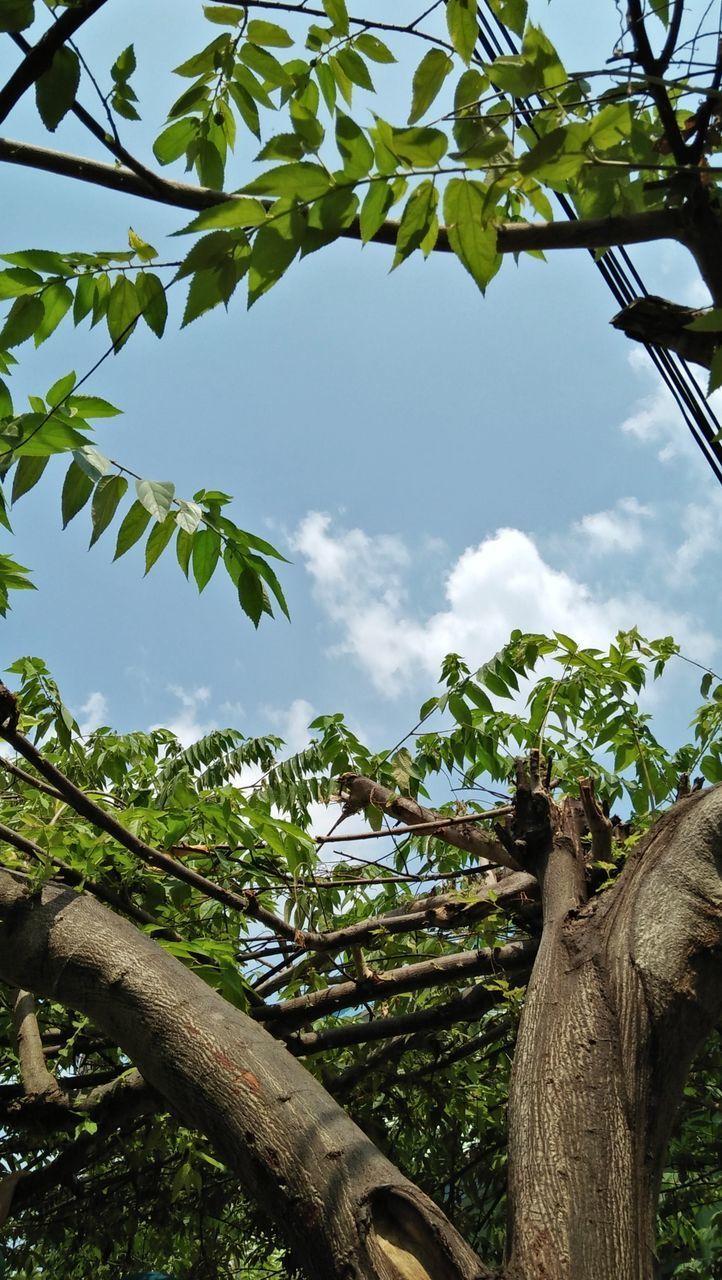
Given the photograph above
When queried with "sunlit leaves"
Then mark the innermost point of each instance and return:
(356, 152)
(108, 493)
(429, 77)
(123, 96)
(56, 88)
(471, 235)
(302, 181)
(463, 25)
(418, 227)
(156, 496)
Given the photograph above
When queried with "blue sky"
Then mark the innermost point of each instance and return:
(439, 467)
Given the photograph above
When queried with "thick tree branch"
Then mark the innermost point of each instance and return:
(654, 69)
(466, 1008)
(513, 237)
(38, 1081)
(438, 971)
(359, 792)
(297, 1153)
(40, 56)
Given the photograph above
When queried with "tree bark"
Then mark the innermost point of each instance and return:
(346, 1212)
(623, 993)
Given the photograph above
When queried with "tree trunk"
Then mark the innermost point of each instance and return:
(623, 993)
(346, 1212)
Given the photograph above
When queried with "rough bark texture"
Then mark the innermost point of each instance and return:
(623, 992)
(345, 1210)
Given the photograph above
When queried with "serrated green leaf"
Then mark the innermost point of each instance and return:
(275, 245)
(268, 34)
(152, 301)
(132, 528)
(123, 311)
(472, 240)
(92, 406)
(92, 461)
(417, 220)
(354, 67)
(302, 180)
(463, 26)
(337, 16)
(374, 48)
(22, 320)
(57, 300)
(184, 549)
(77, 488)
(429, 77)
(377, 202)
(206, 551)
(355, 150)
(223, 15)
(252, 596)
(419, 147)
(242, 211)
(56, 88)
(6, 401)
(26, 475)
(511, 12)
(158, 541)
(108, 493)
(175, 140)
(143, 250)
(61, 389)
(156, 496)
(18, 281)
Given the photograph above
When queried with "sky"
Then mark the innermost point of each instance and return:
(438, 467)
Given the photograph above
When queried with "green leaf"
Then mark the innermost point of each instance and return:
(463, 26)
(53, 436)
(93, 462)
(6, 402)
(715, 375)
(355, 150)
(133, 527)
(416, 221)
(183, 549)
(377, 202)
(266, 66)
(56, 88)
(473, 241)
(123, 311)
(108, 493)
(241, 211)
(60, 390)
(77, 488)
(223, 15)
(246, 107)
(57, 300)
(158, 541)
(16, 15)
(338, 16)
(711, 767)
(708, 322)
(268, 34)
(144, 251)
(374, 48)
(419, 148)
(429, 76)
(274, 247)
(91, 406)
(27, 473)
(156, 496)
(353, 66)
(152, 301)
(303, 180)
(511, 12)
(18, 281)
(22, 320)
(174, 141)
(252, 596)
(206, 550)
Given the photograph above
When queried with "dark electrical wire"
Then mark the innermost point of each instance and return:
(622, 279)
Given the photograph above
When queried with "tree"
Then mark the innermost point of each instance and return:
(155, 999)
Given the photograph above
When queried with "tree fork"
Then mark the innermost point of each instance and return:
(343, 1208)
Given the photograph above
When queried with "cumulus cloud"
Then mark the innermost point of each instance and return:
(501, 583)
(702, 526)
(187, 724)
(656, 419)
(617, 530)
(94, 710)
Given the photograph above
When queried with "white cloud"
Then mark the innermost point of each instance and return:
(187, 724)
(656, 418)
(619, 529)
(95, 710)
(501, 583)
(702, 525)
(292, 724)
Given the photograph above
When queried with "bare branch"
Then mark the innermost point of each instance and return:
(657, 90)
(23, 776)
(40, 56)
(435, 825)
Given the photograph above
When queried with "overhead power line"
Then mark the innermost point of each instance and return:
(621, 276)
